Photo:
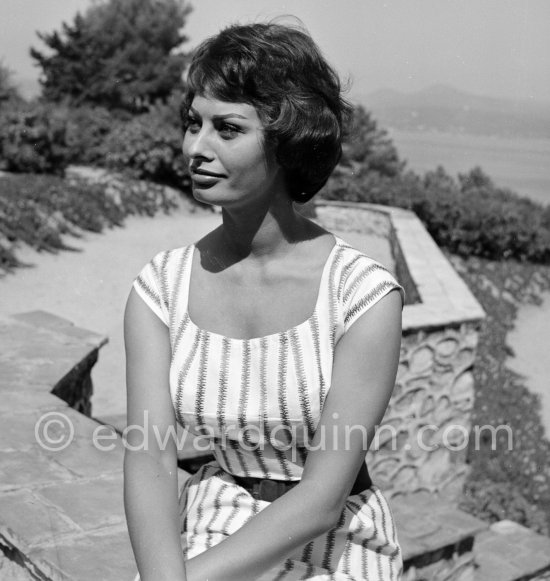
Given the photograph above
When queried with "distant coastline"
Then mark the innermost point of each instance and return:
(446, 109)
(520, 164)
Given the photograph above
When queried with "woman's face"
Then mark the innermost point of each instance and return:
(228, 160)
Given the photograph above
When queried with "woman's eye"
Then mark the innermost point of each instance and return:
(193, 125)
(229, 131)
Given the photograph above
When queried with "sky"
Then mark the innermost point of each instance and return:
(498, 48)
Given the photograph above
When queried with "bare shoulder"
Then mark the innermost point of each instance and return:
(380, 323)
(143, 330)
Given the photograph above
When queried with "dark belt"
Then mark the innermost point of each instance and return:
(269, 490)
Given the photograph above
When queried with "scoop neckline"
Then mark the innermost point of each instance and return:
(278, 334)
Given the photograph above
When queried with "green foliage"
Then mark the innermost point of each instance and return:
(119, 54)
(493, 501)
(39, 210)
(470, 217)
(474, 217)
(149, 146)
(33, 139)
(46, 137)
(87, 129)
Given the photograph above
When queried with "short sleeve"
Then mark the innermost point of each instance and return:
(365, 286)
(150, 285)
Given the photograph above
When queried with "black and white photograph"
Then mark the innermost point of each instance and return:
(274, 290)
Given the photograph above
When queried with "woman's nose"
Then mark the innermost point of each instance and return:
(197, 145)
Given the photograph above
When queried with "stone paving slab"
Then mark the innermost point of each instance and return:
(43, 428)
(14, 378)
(89, 504)
(47, 320)
(29, 468)
(41, 356)
(509, 551)
(84, 458)
(95, 557)
(22, 401)
(32, 518)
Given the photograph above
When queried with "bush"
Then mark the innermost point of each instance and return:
(45, 138)
(470, 217)
(39, 210)
(494, 501)
(149, 146)
(87, 129)
(33, 138)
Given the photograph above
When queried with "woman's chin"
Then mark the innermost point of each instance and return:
(208, 197)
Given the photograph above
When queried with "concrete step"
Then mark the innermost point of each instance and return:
(437, 539)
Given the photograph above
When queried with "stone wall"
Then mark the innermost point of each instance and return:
(429, 414)
(421, 444)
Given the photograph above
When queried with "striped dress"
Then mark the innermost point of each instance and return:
(259, 401)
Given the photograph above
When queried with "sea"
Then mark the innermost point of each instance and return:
(520, 164)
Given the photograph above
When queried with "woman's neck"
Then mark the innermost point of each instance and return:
(260, 233)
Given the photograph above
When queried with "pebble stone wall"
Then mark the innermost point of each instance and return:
(422, 444)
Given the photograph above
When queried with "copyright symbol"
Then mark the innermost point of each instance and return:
(54, 431)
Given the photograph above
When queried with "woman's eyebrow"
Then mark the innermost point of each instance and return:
(227, 116)
(218, 117)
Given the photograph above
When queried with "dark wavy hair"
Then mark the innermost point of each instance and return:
(280, 71)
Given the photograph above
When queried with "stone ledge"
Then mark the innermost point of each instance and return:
(42, 352)
(45, 320)
(61, 511)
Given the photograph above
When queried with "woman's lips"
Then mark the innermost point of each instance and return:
(205, 178)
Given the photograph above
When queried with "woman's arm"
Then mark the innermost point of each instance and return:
(363, 377)
(150, 468)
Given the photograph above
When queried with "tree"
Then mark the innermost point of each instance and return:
(8, 91)
(369, 148)
(475, 179)
(121, 54)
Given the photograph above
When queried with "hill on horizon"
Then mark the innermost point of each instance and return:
(446, 109)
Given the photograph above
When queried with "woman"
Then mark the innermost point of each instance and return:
(271, 336)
